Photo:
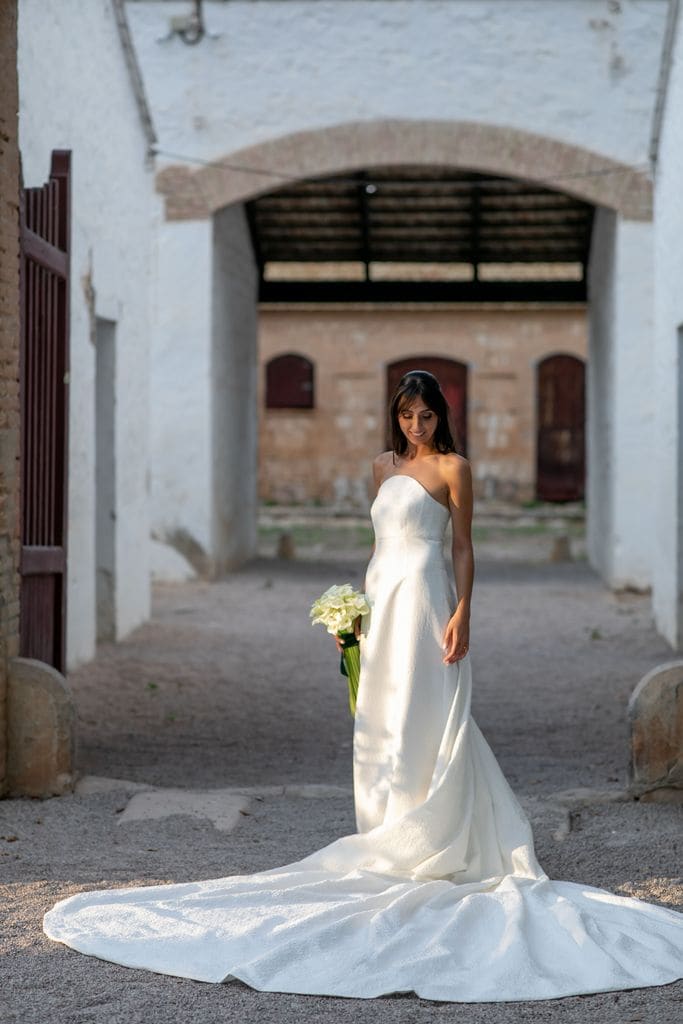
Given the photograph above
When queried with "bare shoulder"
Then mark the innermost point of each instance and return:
(456, 469)
(456, 472)
(381, 465)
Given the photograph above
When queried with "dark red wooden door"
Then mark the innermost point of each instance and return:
(452, 376)
(45, 230)
(560, 474)
(289, 382)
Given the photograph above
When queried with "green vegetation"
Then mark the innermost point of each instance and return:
(305, 535)
(338, 535)
(540, 529)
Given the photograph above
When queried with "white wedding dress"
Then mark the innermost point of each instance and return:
(439, 891)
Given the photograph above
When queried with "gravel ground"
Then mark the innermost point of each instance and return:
(230, 687)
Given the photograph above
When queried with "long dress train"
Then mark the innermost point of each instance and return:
(439, 891)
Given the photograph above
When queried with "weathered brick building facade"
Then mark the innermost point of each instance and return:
(324, 453)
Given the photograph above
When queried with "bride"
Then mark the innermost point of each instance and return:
(438, 892)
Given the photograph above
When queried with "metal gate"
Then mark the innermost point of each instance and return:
(452, 376)
(45, 231)
(560, 458)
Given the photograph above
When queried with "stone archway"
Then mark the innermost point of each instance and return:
(206, 246)
(337, 149)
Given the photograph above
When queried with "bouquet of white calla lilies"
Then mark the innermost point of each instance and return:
(337, 609)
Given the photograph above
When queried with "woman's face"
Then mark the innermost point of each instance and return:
(418, 422)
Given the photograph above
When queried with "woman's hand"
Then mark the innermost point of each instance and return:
(456, 638)
(356, 631)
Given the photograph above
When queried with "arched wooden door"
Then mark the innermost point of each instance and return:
(452, 376)
(289, 382)
(560, 451)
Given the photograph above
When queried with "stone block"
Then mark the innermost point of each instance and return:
(285, 546)
(656, 722)
(40, 730)
(560, 550)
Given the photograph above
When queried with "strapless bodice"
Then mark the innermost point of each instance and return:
(403, 511)
(409, 527)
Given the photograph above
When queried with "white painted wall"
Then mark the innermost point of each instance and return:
(620, 407)
(666, 521)
(270, 68)
(600, 425)
(180, 465)
(634, 405)
(75, 94)
(234, 390)
(203, 397)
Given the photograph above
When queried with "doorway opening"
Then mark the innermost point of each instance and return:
(560, 435)
(452, 376)
(386, 269)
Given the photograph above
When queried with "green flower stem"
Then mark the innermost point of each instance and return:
(350, 665)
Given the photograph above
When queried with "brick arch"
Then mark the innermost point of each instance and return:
(197, 193)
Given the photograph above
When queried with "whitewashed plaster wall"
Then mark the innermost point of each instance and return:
(621, 402)
(600, 424)
(633, 406)
(180, 450)
(204, 413)
(666, 522)
(234, 390)
(581, 71)
(75, 94)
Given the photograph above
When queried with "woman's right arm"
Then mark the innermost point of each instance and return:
(377, 476)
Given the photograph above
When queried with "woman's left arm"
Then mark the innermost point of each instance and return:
(458, 475)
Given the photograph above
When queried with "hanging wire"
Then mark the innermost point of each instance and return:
(372, 183)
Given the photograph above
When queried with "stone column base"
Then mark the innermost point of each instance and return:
(40, 730)
(655, 713)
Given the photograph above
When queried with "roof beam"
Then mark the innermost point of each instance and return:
(422, 291)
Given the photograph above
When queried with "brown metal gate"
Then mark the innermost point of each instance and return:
(560, 468)
(45, 231)
(452, 377)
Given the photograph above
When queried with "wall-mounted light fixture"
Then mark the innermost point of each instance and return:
(189, 27)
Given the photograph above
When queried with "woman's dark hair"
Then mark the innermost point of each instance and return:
(420, 384)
